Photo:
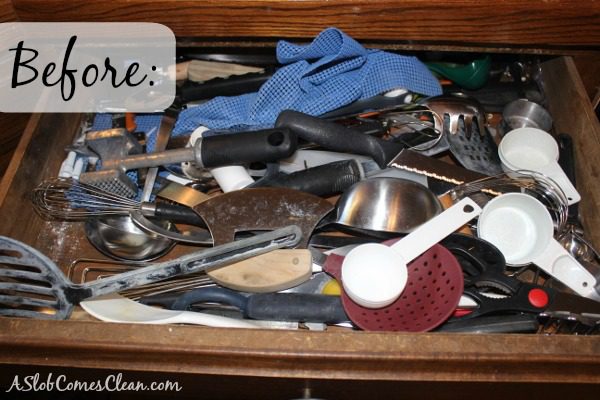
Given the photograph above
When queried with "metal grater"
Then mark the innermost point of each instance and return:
(111, 181)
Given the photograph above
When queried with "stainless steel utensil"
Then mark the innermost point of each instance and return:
(536, 185)
(463, 121)
(573, 236)
(69, 199)
(33, 286)
(456, 107)
(118, 237)
(387, 205)
(523, 113)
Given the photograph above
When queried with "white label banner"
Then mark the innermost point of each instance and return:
(86, 67)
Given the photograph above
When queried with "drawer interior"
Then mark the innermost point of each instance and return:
(350, 355)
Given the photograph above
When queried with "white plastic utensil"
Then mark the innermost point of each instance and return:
(522, 229)
(116, 308)
(535, 150)
(374, 275)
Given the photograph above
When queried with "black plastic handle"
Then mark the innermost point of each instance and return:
(212, 295)
(337, 137)
(511, 323)
(179, 214)
(267, 145)
(566, 160)
(296, 307)
(300, 307)
(323, 180)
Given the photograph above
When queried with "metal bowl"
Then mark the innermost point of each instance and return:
(121, 239)
(390, 205)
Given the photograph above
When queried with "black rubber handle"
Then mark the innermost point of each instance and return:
(231, 86)
(566, 160)
(517, 323)
(300, 307)
(179, 214)
(165, 300)
(297, 307)
(323, 180)
(336, 137)
(211, 295)
(267, 145)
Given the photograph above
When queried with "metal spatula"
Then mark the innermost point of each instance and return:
(33, 286)
(463, 121)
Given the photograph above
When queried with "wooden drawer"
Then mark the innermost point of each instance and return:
(339, 355)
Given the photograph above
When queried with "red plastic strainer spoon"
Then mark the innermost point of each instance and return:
(374, 275)
(433, 289)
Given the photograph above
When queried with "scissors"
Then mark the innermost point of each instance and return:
(485, 277)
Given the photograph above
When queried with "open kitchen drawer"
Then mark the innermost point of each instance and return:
(298, 354)
(336, 354)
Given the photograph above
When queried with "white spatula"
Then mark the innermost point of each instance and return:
(116, 308)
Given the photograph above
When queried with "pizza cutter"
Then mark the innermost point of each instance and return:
(261, 209)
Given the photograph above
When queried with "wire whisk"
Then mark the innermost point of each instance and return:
(70, 200)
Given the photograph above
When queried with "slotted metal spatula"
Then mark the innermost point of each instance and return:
(462, 120)
(33, 286)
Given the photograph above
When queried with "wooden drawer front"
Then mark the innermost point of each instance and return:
(334, 354)
(537, 24)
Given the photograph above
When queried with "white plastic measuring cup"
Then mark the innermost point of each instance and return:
(522, 229)
(374, 275)
(535, 150)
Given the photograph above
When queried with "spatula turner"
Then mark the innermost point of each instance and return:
(33, 286)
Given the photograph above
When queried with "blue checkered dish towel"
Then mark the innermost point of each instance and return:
(331, 72)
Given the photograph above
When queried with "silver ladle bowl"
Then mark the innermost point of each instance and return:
(119, 238)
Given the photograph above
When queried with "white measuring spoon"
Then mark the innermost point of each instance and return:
(374, 275)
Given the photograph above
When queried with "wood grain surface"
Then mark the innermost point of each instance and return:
(294, 354)
(10, 134)
(537, 24)
(7, 11)
(572, 112)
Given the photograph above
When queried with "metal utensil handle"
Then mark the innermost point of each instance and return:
(200, 237)
(145, 160)
(198, 261)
